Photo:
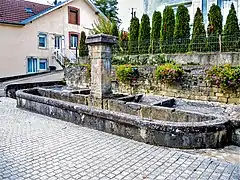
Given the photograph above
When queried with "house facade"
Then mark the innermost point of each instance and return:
(151, 5)
(36, 37)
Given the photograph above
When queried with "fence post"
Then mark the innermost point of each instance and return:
(220, 43)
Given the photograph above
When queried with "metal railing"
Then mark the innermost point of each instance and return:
(210, 44)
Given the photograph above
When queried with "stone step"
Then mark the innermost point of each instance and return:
(236, 137)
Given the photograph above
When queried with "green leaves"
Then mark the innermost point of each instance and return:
(83, 49)
(144, 35)
(133, 37)
(227, 77)
(169, 73)
(199, 40)
(102, 25)
(126, 73)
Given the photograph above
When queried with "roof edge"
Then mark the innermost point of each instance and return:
(12, 23)
(52, 8)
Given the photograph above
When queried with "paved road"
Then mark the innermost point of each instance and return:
(36, 147)
(54, 76)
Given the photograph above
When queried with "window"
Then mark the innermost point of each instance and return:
(43, 65)
(73, 40)
(42, 38)
(73, 15)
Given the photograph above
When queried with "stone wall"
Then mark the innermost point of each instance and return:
(77, 76)
(194, 58)
(193, 86)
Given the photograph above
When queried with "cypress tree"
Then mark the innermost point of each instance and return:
(123, 41)
(144, 34)
(155, 34)
(198, 42)
(167, 31)
(182, 29)
(231, 31)
(214, 27)
(83, 49)
(114, 29)
(133, 37)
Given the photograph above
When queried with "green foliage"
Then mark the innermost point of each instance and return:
(133, 37)
(199, 40)
(169, 73)
(167, 31)
(226, 77)
(109, 9)
(155, 34)
(214, 27)
(182, 30)
(144, 35)
(231, 40)
(83, 48)
(126, 73)
(123, 42)
(101, 26)
(114, 29)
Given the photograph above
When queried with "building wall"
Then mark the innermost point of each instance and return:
(18, 43)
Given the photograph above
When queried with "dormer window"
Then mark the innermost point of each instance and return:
(29, 10)
(73, 15)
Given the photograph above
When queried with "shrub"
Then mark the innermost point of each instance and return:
(155, 34)
(101, 26)
(133, 36)
(169, 73)
(167, 31)
(144, 35)
(83, 48)
(199, 40)
(182, 30)
(231, 31)
(127, 73)
(214, 27)
(114, 29)
(123, 42)
(226, 77)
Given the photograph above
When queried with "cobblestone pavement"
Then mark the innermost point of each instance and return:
(33, 146)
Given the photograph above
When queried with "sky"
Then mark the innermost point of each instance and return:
(124, 10)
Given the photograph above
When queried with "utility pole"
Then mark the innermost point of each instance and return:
(133, 13)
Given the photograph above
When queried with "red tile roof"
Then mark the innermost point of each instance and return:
(13, 11)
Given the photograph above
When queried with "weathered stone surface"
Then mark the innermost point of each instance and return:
(100, 55)
(209, 133)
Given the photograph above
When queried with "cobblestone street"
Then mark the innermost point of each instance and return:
(36, 147)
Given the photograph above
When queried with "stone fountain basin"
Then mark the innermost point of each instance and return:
(210, 133)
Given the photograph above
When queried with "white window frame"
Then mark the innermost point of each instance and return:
(75, 39)
(39, 61)
(45, 36)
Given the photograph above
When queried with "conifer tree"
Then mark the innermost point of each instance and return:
(133, 37)
(114, 29)
(198, 42)
(155, 33)
(144, 34)
(182, 30)
(167, 31)
(231, 32)
(83, 49)
(214, 27)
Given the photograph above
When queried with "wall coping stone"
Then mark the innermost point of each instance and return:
(101, 38)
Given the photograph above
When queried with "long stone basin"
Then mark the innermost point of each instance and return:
(174, 128)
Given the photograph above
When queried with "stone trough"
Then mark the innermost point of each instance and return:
(201, 132)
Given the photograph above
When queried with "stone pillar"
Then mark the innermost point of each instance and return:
(100, 51)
